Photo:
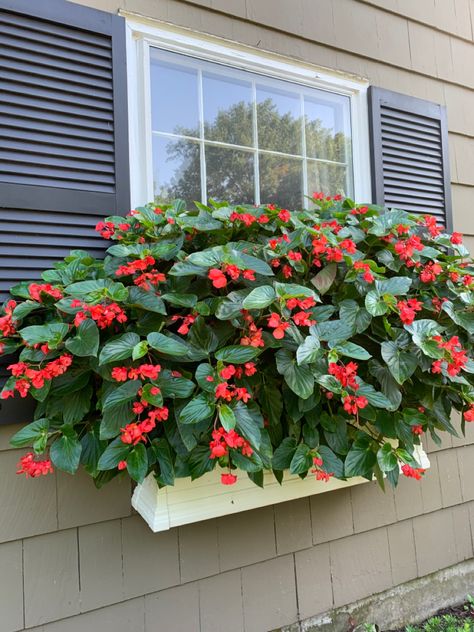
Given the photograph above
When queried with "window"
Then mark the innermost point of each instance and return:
(211, 120)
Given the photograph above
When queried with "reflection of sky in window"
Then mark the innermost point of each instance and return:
(174, 96)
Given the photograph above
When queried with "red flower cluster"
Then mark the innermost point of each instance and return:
(430, 271)
(228, 479)
(367, 276)
(139, 265)
(237, 372)
(405, 248)
(104, 315)
(144, 371)
(248, 219)
(135, 432)
(219, 279)
(186, 324)
(352, 404)
(417, 430)
(412, 472)
(36, 289)
(345, 375)
(456, 356)
(149, 279)
(36, 377)
(456, 238)
(433, 228)
(321, 475)
(254, 337)
(223, 440)
(32, 468)
(106, 229)
(284, 215)
(273, 243)
(469, 414)
(7, 325)
(408, 310)
(229, 392)
(279, 327)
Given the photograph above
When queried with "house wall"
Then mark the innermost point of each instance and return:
(74, 559)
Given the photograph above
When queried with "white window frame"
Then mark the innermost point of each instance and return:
(142, 33)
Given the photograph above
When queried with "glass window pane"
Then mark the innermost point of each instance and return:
(176, 170)
(230, 175)
(174, 94)
(228, 110)
(327, 127)
(279, 120)
(330, 179)
(281, 181)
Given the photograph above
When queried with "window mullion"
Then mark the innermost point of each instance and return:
(305, 161)
(202, 152)
(256, 161)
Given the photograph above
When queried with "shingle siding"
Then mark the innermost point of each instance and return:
(279, 564)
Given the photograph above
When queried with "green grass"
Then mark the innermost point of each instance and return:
(444, 623)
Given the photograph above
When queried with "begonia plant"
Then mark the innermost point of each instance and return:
(325, 342)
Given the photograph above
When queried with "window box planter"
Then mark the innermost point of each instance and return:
(191, 501)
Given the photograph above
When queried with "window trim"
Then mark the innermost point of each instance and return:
(143, 33)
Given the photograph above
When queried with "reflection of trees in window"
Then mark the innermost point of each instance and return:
(230, 171)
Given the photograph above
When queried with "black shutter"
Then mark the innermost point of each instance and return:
(63, 137)
(409, 152)
(63, 131)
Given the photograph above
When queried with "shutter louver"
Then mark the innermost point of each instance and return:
(63, 132)
(410, 167)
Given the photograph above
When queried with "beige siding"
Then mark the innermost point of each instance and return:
(73, 558)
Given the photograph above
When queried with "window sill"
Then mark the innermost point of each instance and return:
(192, 501)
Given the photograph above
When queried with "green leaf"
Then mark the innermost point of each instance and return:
(249, 422)
(227, 417)
(144, 299)
(200, 461)
(119, 348)
(332, 464)
(401, 364)
(260, 297)
(86, 342)
(299, 378)
(394, 286)
(325, 278)
(140, 350)
(53, 334)
(283, 455)
(238, 354)
(334, 331)
(355, 315)
(167, 345)
(121, 394)
(25, 308)
(204, 371)
(387, 458)
(180, 300)
(351, 350)
(375, 304)
(66, 451)
(375, 398)
(302, 459)
(175, 387)
(114, 418)
(30, 433)
(337, 439)
(361, 458)
(383, 223)
(308, 351)
(137, 463)
(162, 451)
(114, 453)
(147, 395)
(198, 409)
(76, 405)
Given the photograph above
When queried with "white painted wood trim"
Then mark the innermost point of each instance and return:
(144, 32)
(191, 501)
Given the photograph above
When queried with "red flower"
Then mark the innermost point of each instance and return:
(120, 374)
(412, 472)
(32, 468)
(287, 271)
(302, 319)
(36, 290)
(249, 275)
(227, 372)
(430, 272)
(352, 404)
(469, 414)
(345, 374)
(408, 310)
(122, 465)
(417, 430)
(294, 255)
(284, 215)
(217, 277)
(456, 238)
(228, 479)
(275, 322)
(348, 245)
(407, 247)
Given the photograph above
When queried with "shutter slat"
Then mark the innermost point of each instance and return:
(51, 98)
(50, 130)
(64, 151)
(409, 154)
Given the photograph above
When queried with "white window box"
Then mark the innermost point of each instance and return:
(191, 501)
